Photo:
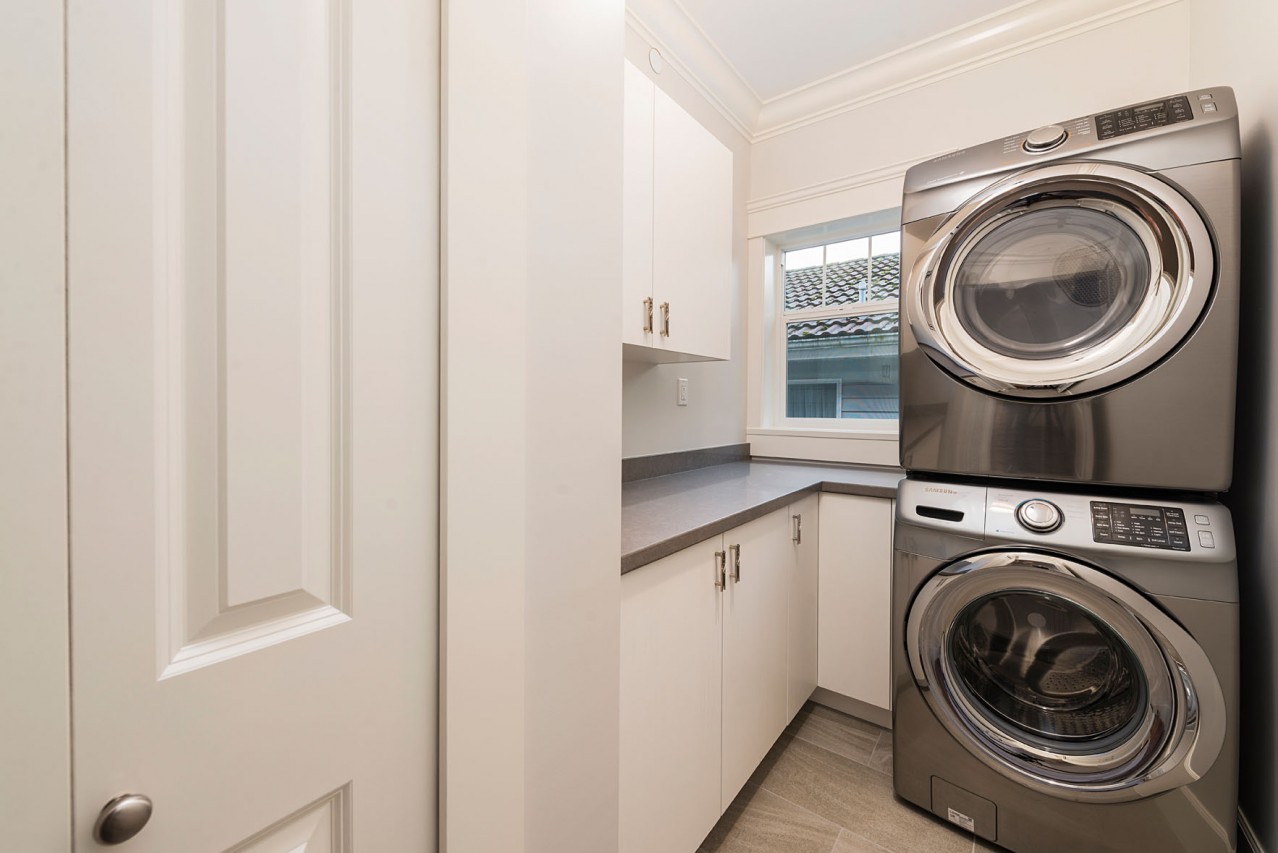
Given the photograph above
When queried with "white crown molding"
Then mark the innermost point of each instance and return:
(1026, 26)
(666, 25)
(836, 185)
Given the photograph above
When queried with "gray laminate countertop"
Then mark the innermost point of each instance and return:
(662, 515)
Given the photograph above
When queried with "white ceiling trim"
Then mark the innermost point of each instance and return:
(697, 59)
(892, 171)
(1026, 26)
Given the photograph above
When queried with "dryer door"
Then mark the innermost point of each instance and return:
(1062, 280)
(1064, 679)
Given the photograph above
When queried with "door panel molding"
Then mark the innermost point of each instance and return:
(252, 350)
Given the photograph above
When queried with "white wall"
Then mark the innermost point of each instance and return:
(715, 414)
(1232, 43)
(532, 512)
(35, 795)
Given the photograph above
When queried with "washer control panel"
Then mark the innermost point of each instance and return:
(1143, 117)
(1140, 526)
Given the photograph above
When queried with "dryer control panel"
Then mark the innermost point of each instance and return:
(1139, 525)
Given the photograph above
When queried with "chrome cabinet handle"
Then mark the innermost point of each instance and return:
(736, 563)
(798, 529)
(720, 562)
(665, 319)
(121, 819)
(647, 315)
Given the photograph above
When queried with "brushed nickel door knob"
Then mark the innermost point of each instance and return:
(122, 818)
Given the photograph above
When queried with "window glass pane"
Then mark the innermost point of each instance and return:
(847, 282)
(801, 258)
(887, 244)
(856, 354)
(864, 270)
(849, 250)
(802, 288)
(803, 278)
(885, 276)
(812, 399)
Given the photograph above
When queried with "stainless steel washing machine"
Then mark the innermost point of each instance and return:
(1065, 667)
(1070, 300)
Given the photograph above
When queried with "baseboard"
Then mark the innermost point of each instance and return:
(1247, 841)
(854, 707)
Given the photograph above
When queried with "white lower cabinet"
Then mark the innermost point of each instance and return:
(670, 702)
(755, 626)
(854, 633)
(705, 680)
(802, 646)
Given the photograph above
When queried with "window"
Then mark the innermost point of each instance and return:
(840, 324)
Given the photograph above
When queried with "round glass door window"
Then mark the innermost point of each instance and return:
(1041, 668)
(1061, 280)
(1051, 283)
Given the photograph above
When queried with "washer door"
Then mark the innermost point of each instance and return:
(1064, 679)
(1061, 280)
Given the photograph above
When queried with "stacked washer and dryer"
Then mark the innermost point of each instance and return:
(1065, 664)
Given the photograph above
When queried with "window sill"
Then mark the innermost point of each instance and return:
(857, 446)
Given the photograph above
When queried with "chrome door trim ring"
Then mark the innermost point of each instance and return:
(1182, 277)
(1145, 764)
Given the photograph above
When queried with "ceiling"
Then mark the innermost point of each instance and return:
(778, 46)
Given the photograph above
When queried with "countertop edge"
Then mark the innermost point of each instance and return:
(651, 553)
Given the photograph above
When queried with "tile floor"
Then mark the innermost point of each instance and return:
(826, 787)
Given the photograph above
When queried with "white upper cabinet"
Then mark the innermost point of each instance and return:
(677, 236)
(636, 247)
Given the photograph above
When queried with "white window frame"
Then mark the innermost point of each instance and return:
(770, 432)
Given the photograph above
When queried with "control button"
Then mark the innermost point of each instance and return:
(1205, 96)
(1201, 519)
(1045, 138)
(1206, 539)
(1209, 107)
(1039, 515)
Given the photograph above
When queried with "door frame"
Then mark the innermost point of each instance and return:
(35, 636)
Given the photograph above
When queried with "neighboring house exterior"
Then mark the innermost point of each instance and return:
(844, 366)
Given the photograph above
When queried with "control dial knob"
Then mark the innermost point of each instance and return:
(1045, 138)
(1039, 516)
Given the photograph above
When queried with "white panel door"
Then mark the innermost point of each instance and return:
(253, 216)
(670, 702)
(754, 645)
(636, 213)
(856, 598)
(803, 604)
(692, 233)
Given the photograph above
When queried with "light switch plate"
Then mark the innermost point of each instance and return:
(683, 392)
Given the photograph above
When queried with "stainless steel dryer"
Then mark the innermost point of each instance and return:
(1065, 667)
(1070, 300)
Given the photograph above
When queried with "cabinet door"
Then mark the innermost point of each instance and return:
(754, 646)
(692, 233)
(803, 604)
(636, 215)
(670, 702)
(854, 632)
